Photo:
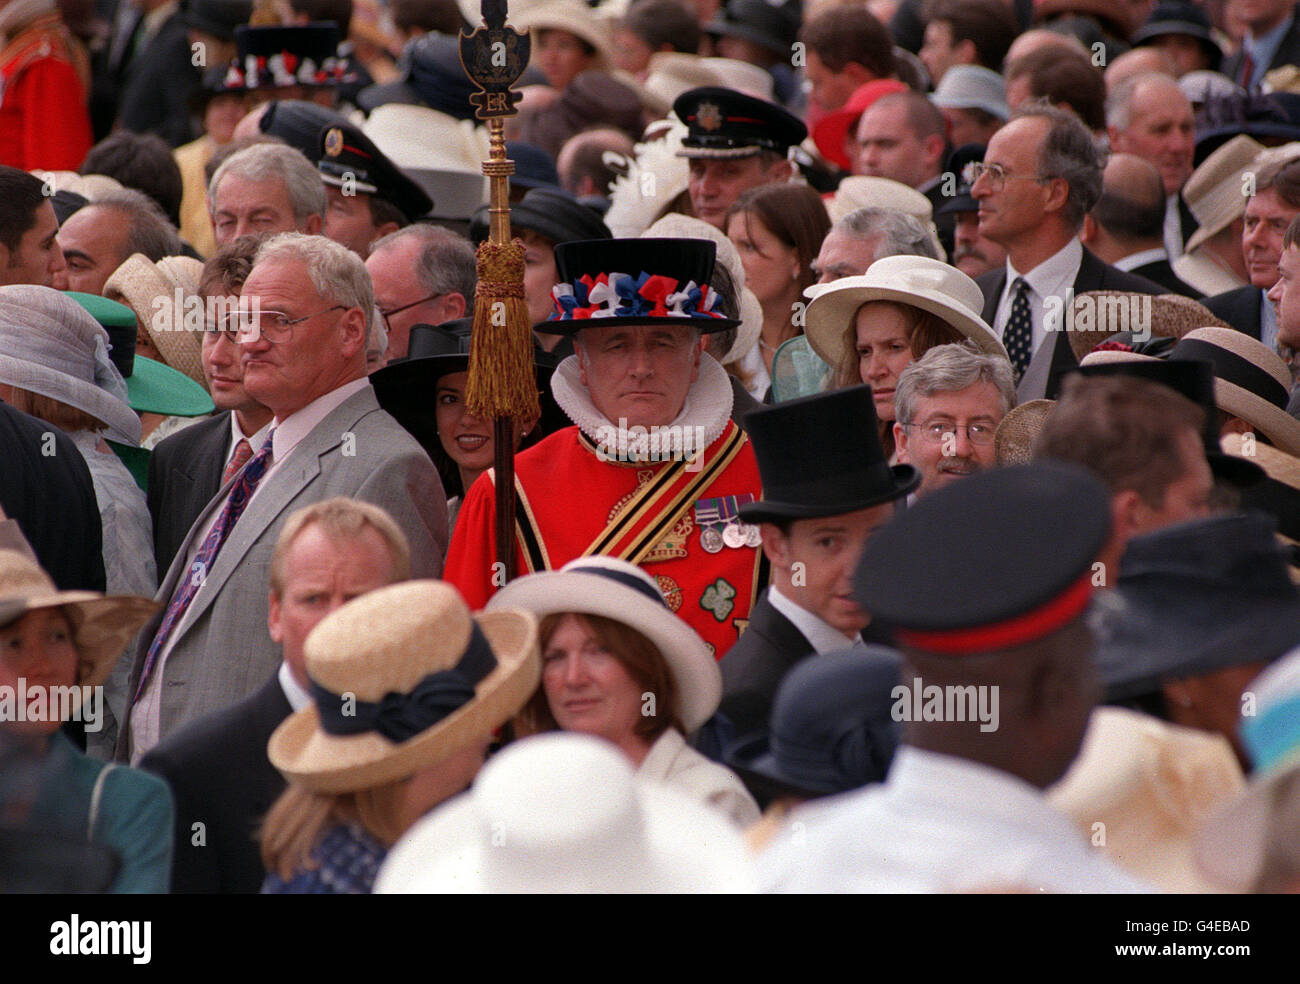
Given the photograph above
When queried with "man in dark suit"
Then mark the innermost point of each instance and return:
(1272, 40)
(1269, 211)
(187, 469)
(223, 784)
(826, 486)
(1124, 227)
(1041, 175)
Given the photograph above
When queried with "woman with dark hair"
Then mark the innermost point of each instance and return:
(778, 230)
(618, 664)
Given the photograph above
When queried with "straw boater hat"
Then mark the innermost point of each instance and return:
(1013, 441)
(919, 281)
(674, 225)
(139, 283)
(102, 625)
(1152, 784)
(621, 591)
(1108, 312)
(426, 680)
(1214, 191)
(577, 819)
(50, 345)
(1278, 495)
(1230, 847)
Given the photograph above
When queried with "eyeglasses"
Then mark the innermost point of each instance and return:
(997, 175)
(978, 434)
(386, 312)
(274, 326)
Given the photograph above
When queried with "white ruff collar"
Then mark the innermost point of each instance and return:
(703, 418)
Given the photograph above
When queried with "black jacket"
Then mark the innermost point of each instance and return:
(1160, 272)
(223, 785)
(1243, 308)
(184, 475)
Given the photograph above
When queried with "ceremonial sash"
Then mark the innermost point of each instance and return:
(647, 518)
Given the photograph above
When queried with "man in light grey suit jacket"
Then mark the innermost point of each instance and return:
(303, 348)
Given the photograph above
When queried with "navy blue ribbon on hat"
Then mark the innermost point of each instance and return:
(399, 716)
(625, 579)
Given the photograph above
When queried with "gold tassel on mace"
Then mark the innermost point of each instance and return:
(502, 381)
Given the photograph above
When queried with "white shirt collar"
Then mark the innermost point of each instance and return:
(255, 440)
(825, 638)
(1141, 258)
(290, 431)
(1054, 274)
(294, 692)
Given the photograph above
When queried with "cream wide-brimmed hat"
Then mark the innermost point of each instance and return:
(564, 813)
(573, 16)
(617, 590)
(670, 73)
(150, 290)
(102, 625)
(403, 678)
(1013, 441)
(1215, 192)
(440, 153)
(674, 225)
(1279, 495)
(918, 281)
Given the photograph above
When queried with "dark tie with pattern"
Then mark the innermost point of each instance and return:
(192, 580)
(1247, 69)
(1018, 336)
(243, 451)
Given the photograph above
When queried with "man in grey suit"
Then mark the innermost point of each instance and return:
(306, 306)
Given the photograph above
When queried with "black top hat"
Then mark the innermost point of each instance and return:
(1193, 379)
(1179, 17)
(820, 456)
(726, 123)
(775, 26)
(958, 162)
(991, 562)
(551, 213)
(282, 56)
(220, 18)
(605, 282)
(832, 727)
(345, 150)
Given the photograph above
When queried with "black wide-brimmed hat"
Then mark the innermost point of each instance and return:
(606, 282)
(821, 456)
(1183, 18)
(552, 213)
(994, 561)
(772, 25)
(832, 727)
(727, 123)
(1198, 597)
(348, 155)
(1193, 379)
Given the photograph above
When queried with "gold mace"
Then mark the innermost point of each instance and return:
(502, 383)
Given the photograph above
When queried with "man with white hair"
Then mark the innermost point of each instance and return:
(864, 236)
(302, 328)
(265, 188)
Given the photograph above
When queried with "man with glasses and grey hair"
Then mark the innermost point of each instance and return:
(949, 402)
(302, 328)
(423, 274)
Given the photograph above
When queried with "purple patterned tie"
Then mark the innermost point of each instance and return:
(193, 579)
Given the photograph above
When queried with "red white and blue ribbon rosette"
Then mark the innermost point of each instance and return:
(622, 295)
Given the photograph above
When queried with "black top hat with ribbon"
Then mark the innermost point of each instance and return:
(606, 282)
(283, 56)
(821, 456)
(727, 123)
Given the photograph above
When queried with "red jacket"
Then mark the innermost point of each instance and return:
(44, 122)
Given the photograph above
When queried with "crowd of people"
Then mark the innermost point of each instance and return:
(918, 433)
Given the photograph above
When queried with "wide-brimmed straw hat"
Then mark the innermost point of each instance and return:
(617, 590)
(1214, 191)
(50, 345)
(102, 625)
(1279, 493)
(1098, 316)
(426, 679)
(1013, 441)
(139, 283)
(918, 281)
(575, 818)
(566, 15)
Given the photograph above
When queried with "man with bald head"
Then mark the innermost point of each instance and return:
(1149, 116)
(1138, 61)
(1124, 227)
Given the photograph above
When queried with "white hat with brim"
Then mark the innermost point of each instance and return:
(670, 73)
(387, 644)
(102, 625)
(50, 346)
(566, 15)
(564, 813)
(617, 590)
(440, 153)
(1214, 190)
(917, 281)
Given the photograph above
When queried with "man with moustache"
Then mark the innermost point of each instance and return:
(972, 253)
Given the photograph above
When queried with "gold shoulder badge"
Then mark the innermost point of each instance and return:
(709, 116)
(334, 142)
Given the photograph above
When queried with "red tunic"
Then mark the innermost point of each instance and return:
(44, 122)
(574, 495)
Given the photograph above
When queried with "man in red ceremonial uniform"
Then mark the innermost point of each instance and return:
(655, 471)
(44, 122)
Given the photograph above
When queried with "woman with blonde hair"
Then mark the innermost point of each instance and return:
(868, 329)
(408, 688)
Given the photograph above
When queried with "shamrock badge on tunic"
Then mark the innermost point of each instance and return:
(719, 598)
